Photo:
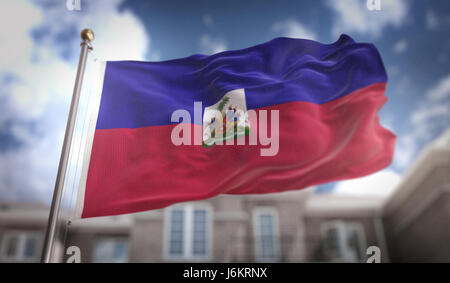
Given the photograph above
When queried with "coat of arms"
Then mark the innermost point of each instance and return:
(225, 120)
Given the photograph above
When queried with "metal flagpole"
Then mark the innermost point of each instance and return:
(87, 36)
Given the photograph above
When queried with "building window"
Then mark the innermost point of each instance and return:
(20, 246)
(266, 233)
(176, 232)
(114, 250)
(343, 241)
(188, 232)
(199, 232)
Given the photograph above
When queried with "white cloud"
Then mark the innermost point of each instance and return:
(393, 70)
(16, 44)
(119, 35)
(294, 29)
(441, 91)
(208, 21)
(431, 20)
(430, 111)
(39, 54)
(405, 150)
(435, 107)
(430, 114)
(353, 16)
(380, 184)
(211, 45)
(400, 46)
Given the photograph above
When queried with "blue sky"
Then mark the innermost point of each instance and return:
(41, 45)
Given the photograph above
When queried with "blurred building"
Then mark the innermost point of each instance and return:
(298, 226)
(417, 216)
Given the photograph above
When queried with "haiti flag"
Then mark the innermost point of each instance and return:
(282, 115)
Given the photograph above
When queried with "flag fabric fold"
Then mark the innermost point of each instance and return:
(327, 97)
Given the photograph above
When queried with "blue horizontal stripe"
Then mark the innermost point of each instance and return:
(139, 94)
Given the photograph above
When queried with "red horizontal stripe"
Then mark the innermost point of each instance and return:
(140, 169)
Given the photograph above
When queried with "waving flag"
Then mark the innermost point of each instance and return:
(320, 104)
